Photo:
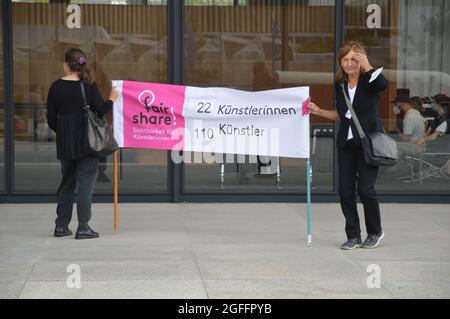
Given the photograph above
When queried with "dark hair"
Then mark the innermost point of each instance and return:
(417, 103)
(77, 62)
(356, 46)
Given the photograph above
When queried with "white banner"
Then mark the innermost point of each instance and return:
(216, 120)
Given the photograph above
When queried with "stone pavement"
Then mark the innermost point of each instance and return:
(223, 251)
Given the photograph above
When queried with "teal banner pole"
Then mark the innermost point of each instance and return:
(308, 199)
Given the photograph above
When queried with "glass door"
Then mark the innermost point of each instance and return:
(262, 45)
(123, 40)
(2, 113)
(408, 38)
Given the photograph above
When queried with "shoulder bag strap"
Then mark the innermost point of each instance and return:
(354, 117)
(84, 95)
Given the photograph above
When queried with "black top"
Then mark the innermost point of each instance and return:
(65, 115)
(366, 104)
(438, 120)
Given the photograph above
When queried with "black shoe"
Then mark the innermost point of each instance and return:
(86, 233)
(61, 231)
(102, 178)
(372, 241)
(351, 244)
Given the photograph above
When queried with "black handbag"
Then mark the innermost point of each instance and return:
(98, 139)
(379, 149)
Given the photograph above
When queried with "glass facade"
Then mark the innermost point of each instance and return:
(2, 113)
(245, 44)
(121, 43)
(410, 43)
(262, 46)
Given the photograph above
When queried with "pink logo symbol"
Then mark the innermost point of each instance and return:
(305, 108)
(146, 97)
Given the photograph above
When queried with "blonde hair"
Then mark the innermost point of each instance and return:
(356, 46)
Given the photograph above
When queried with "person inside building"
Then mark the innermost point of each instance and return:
(417, 103)
(438, 126)
(412, 127)
(413, 121)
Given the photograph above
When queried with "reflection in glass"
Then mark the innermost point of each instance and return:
(411, 46)
(130, 46)
(258, 45)
(2, 115)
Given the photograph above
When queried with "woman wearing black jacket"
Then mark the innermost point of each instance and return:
(65, 116)
(362, 84)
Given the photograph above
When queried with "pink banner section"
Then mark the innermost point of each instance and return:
(305, 109)
(152, 112)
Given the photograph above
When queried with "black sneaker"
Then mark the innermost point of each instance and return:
(61, 231)
(86, 233)
(351, 244)
(372, 241)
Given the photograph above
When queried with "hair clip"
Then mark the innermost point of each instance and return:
(82, 61)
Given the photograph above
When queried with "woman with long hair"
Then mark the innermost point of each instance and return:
(65, 116)
(362, 84)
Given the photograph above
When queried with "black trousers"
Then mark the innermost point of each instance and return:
(102, 163)
(356, 175)
(79, 173)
